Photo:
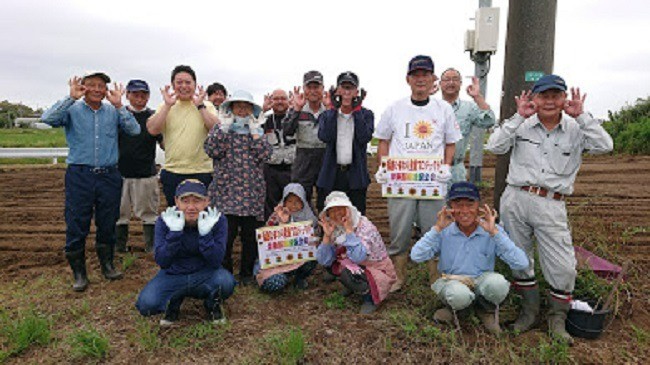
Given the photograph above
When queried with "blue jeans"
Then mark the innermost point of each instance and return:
(155, 295)
(170, 181)
(87, 188)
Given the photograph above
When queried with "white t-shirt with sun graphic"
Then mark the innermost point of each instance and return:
(418, 130)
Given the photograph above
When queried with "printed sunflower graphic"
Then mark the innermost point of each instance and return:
(422, 129)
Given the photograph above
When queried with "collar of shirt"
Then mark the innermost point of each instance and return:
(344, 116)
(560, 127)
(101, 105)
(307, 109)
(455, 231)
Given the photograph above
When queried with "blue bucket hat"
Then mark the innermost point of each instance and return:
(463, 189)
(548, 82)
(191, 187)
(241, 95)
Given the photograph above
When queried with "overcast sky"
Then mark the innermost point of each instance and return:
(601, 46)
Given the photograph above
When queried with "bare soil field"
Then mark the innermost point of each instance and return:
(609, 213)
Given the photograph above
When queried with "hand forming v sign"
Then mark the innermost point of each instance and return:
(115, 96)
(77, 90)
(488, 219)
(525, 105)
(474, 89)
(199, 96)
(298, 99)
(445, 218)
(168, 97)
(347, 221)
(575, 106)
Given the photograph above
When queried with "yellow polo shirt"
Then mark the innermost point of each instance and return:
(184, 133)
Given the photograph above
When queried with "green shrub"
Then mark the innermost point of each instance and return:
(630, 128)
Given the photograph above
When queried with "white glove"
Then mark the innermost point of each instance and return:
(381, 176)
(174, 219)
(207, 220)
(443, 175)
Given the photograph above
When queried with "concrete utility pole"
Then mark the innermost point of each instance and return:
(530, 42)
(477, 135)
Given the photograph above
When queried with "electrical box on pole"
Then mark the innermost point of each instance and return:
(485, 36)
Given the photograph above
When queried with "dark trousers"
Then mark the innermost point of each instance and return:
(248, 225)
(306, 167)
(170, 181)
(88, 189)
(342, 183)
(276, 177)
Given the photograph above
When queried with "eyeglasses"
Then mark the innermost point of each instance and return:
(450, 79)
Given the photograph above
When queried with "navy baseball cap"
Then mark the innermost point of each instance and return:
(463, 189)
(420, 62)
(347, 76)
(548, 82)
(137, 85)
(191, 187)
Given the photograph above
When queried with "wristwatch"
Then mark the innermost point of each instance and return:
(200, 106)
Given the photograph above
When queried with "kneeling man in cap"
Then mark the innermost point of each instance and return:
(467, 239)
(189, 246)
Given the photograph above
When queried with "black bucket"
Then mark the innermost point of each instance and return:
(585, 324)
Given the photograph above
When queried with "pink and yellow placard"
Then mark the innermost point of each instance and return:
(412, 178)
(285, 244)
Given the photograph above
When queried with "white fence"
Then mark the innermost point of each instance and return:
(54, 153)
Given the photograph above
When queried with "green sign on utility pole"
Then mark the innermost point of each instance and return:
(533, 76)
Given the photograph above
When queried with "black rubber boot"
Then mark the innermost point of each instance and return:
(77, 261)
(121, 237)
(148, 233)
(529, 309)
(105, 255)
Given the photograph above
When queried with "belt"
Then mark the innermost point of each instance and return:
(343, 167)
(538, 190)
(96, 170)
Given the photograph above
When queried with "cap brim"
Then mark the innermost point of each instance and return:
(320, 82)
(101, 75)
(192, 193)
(137, 89)
(463, 196)
(420, 68)
(541, 89)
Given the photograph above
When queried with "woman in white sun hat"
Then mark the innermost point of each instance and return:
(353, 250)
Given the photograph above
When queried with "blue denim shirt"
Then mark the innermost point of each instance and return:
(471, 256)
(355, 250)
(91, 134)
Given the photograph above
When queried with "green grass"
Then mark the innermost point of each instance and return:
(27, 329)
(197, 336)
(18, 137)
(147, 334)
(336, 301)
(89, 343)
(128, 260)
(288, 346)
